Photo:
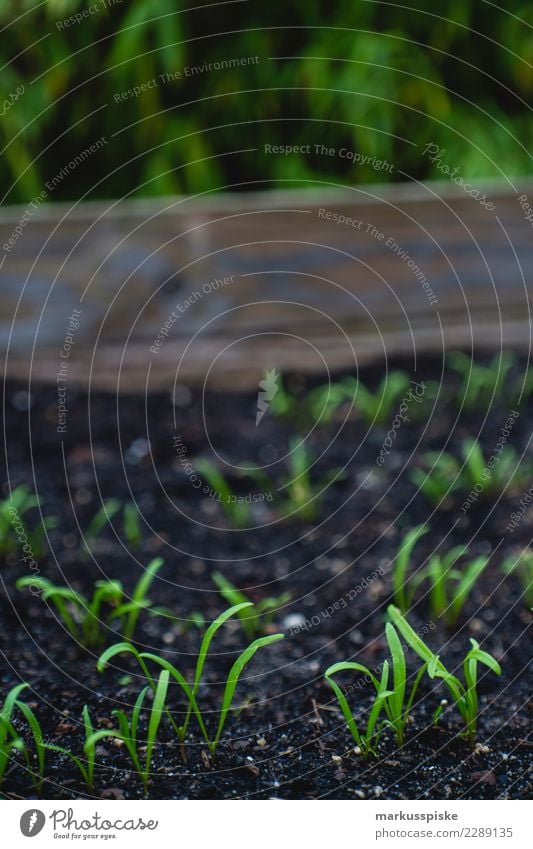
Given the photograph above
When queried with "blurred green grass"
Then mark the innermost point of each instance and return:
(375, 78)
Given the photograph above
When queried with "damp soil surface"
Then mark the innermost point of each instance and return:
(286, 737)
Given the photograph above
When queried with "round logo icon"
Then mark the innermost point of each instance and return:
(32, 822)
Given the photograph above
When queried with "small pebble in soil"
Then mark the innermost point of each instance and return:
(137, 450)
(253, 769)
(337, 566)
(293, 620)
(169, 637)
(113, 793)
(356, 637)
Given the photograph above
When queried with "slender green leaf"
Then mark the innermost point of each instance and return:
(401, 565)
(233, 678)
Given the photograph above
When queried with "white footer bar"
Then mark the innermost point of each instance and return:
(267, 825)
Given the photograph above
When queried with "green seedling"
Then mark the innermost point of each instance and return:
(439, 478)
(318, 405)
(191, 690)
(86, 619)
(140, 752)
(10, 740)
(507, 474)
(323, 402)
(20, 503)
(256, 620)
(402, 596)
(129, 611)
(81, 617)
(302, 496)
(284, 404)
(193, 620)
(397, 707)
(480, 384)
(366, 739)
(37, 735)
(85, 766)
(391, 698)
(197, 620)
(98, 523)
(13, 527)
(299, 490)
(131, 525)
(449, 587)
(375, 408)
(235, 507)
(446, 475)
(464, 694)
(521, 565)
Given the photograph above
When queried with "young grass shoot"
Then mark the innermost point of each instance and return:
(256, 620)
(302, 496)
(480, 384)
(12, 743)
(14, 527)
(463, 693)
(98, 523)
(140, 751)
(442, 476)
(391, 697)
(191, 691)
(236, 509)
(88, 619)
(85, 765)
(448, 587)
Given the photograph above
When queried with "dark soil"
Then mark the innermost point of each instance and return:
(288, 739)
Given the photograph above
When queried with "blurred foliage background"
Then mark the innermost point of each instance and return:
(374, 77)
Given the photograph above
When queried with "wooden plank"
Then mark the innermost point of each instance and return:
(216, 290)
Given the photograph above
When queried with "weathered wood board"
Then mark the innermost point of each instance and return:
(215, 291)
